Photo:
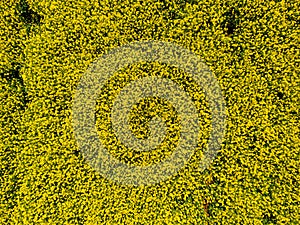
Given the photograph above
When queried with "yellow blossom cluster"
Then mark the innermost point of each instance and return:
(251, 47)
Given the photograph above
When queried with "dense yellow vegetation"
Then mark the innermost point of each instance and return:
(252, 47)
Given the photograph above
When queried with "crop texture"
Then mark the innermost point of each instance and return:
(252, 48)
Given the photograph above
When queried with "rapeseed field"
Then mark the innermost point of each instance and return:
(251, 48)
